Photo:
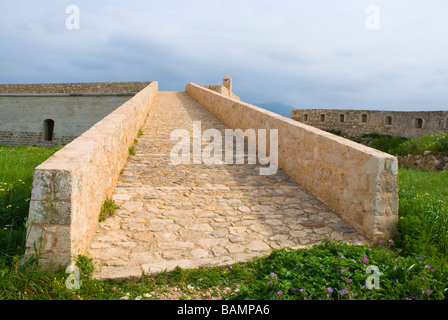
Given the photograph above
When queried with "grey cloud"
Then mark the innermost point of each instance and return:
(298, 52)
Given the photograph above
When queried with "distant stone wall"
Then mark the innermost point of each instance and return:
(70, 187)
(23, 117)
(358, 182)
(72, 107)
(359, 122)
(73, 88)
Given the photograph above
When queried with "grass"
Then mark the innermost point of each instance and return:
(399, 146)
(437, 144)
(16, 175)
(423, 212)
(413, 265)
(336, 270)
(108, 209)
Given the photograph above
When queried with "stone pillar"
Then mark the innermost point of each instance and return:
(227, 82)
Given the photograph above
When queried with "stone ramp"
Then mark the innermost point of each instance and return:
(193, 215)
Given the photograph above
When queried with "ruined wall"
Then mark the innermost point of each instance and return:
(358, 182)
(359, 122)
(71, 186)
(74, 108)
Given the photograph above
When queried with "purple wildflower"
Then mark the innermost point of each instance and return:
(344, 291)
(280, 293)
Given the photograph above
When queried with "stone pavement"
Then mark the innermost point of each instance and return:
(192, 215)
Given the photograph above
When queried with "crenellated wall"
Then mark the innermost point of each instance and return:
(357, 123)
(358, 182)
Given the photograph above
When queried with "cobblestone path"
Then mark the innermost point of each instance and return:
(192, 215)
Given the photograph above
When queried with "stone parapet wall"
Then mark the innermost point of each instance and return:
(70, 187)
(73, 88)
(222, 90)
(357, 123)
(358, 182)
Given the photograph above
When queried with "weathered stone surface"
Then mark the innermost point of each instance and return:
(360, 122)
(205, 225)
(258, 246)
(71, 186)
(345, 175)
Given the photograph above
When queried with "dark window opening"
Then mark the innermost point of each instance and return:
(341, 117)
(418, 123)
(305, 117)
(48, 130)
(322, 118)
(363, 118)
(388, 121)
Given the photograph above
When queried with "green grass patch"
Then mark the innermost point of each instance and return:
(423, 213)
(335, 270)
(132, 150)
(413, 265)
(16, 176)
(437, 144)
(108, 209)
(385, 143)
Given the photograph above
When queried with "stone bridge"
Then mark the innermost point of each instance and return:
(196, 214)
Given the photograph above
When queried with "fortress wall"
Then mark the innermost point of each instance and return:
(73, 88)
(358, 182)
(74, 108)
(70, 187)
(22, 116)
(359, 122)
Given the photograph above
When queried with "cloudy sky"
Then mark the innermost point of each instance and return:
(308, 54)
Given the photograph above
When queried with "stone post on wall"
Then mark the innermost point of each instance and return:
(227, 82)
